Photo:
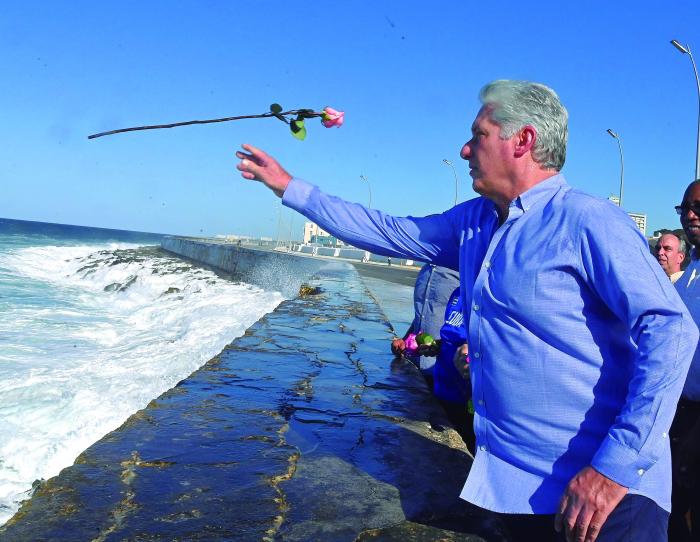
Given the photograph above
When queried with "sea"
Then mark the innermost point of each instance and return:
(94, 324)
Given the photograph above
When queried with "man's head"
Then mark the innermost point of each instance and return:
(518, 138)
(689, 210)
(670, 253)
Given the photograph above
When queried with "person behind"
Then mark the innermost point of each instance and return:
(576, 364)
(452, 390)
(670, 253)
(685, 431)
(431, 293)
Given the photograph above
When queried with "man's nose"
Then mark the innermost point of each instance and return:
(466, 151)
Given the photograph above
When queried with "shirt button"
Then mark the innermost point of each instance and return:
(487, 264)
(477, 355)
(476, 307)
(664, 435)
(482, 447)
(640, 472)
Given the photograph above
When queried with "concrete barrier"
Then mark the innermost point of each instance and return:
(306, 249)
(327, 251)
(281, 271)
(353, 254)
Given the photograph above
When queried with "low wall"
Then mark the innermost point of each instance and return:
(281, 271)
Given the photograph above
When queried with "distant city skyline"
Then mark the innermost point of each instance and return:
(407, 78)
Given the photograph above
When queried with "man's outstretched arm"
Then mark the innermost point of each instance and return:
(433, 238)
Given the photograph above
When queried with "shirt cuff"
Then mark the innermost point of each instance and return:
(297, 194)
(620, 463)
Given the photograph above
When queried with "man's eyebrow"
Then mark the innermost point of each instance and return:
(477, 128)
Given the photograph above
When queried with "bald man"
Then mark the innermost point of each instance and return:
(670, 253)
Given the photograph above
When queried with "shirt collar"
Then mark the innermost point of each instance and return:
(545, 188)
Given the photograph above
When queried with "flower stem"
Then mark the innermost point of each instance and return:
(207, 121)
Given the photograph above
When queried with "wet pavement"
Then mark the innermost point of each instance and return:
(304, 429)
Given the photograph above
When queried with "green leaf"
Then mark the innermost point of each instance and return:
(276, 108)
(298, 129)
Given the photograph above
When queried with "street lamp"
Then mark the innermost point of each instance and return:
(685, 49)
(622, 162)
(446, 161)
(368, 188)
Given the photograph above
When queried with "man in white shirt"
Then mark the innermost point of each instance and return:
(670, 253)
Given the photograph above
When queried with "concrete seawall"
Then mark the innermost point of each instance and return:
(303, 429)
(282, 271)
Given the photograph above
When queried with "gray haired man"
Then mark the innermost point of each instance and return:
(576, 364)
(670, 253)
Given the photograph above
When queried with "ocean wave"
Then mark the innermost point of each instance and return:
(94, 334)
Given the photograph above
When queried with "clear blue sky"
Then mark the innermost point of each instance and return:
(406, 73)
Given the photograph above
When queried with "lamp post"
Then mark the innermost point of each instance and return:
(685, 49)
(368, 188)
(622, 162)
(447, 162)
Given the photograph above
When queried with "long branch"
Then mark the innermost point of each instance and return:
(306, 113)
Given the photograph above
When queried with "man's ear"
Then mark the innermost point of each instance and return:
(524, 140)
(682, 257)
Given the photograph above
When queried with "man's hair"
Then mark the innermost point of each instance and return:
(515, 104)
(681, 242)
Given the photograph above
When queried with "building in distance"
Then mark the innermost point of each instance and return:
(314, 235)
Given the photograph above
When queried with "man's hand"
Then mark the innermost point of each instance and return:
(586, 503)
(259, 166)
(461, 361)
(398, 346)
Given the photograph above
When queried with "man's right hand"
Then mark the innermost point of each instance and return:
(257, 165)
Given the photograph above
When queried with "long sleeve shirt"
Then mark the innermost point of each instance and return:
(688, 286)
(579, 343)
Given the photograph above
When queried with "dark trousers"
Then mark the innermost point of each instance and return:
(684, 500)
(635, 519)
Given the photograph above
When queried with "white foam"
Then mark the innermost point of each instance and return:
(76, 361)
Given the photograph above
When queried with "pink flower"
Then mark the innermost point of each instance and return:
(331, 117)
(411, 344)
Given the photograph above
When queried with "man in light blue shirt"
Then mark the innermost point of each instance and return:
(576, 362)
